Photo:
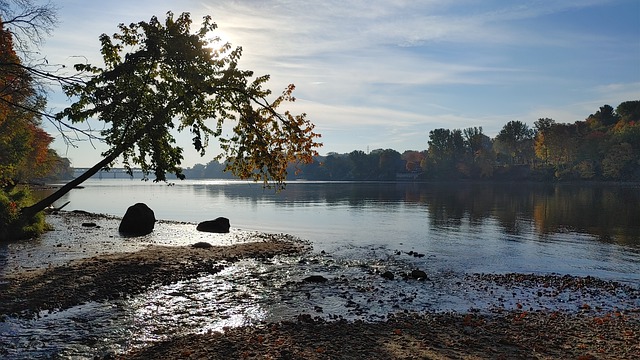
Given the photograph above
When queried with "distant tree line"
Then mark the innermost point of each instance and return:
(605, 146)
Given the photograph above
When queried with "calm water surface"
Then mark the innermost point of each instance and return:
(581, 230)
(358, 230)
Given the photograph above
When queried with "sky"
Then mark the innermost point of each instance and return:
(382, 74)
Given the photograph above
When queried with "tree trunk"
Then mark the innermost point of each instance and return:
(32, 210)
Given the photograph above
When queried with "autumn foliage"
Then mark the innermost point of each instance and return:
(24, 145)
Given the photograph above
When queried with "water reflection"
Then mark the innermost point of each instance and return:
(608, 212)
(319, 210)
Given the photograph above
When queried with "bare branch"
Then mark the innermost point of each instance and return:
(29, 23)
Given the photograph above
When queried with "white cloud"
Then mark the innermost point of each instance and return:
(388, 72)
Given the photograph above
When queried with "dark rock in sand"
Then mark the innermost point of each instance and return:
(315, 279)
(137, 221)
(89, 224)
(415, 254)
(202, 245)
(387, 275)
(219, 225)
(419, 275)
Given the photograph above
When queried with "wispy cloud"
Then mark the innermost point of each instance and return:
(389, 72)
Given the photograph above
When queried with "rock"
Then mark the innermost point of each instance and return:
(137, 221)
(89, 224)
(219, 225)
(315, 279)
(415, 254)
(202, 245)
(387, 275)
(419, 275)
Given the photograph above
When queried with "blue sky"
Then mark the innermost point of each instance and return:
(382, 74)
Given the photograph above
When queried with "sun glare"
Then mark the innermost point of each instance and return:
(218, 39)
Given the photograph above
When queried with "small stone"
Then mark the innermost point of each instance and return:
(387, 275)
(419, 275)
(315, 279)
(201, 245)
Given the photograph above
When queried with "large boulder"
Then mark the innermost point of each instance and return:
(219, 225)
(137, 221)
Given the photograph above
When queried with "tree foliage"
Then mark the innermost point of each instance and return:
(551, 151)
(158, 76)
(24, 145)
(514, 142)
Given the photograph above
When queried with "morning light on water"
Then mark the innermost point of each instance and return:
(323, 179)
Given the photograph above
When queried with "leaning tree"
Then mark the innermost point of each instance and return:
(159, 78)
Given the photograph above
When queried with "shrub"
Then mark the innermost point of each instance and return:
(12, 225)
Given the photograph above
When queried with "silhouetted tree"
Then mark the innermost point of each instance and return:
(169, 78)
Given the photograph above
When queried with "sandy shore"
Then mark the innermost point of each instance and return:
(103, 273)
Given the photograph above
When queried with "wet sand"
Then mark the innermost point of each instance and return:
(111, 276)
(118, 268)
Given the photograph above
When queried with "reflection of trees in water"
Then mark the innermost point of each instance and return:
(609, 212)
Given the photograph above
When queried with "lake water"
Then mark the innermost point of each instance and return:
(579, 230)
(357, 230)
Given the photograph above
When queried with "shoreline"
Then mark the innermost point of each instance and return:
(517, 335)
(117, 267)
